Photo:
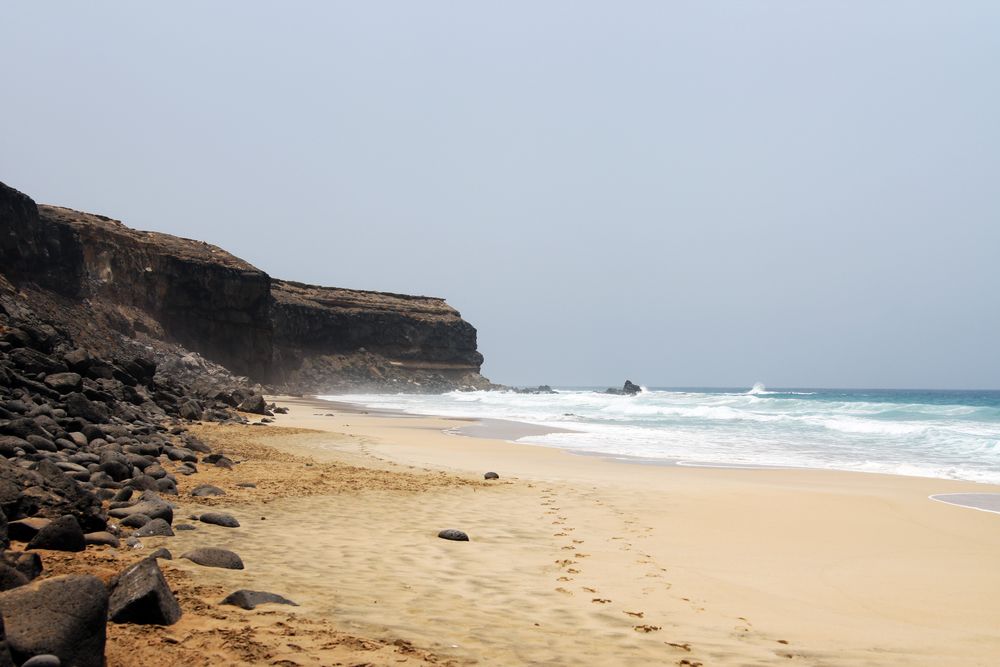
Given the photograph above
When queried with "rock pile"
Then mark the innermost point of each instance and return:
(83, 445)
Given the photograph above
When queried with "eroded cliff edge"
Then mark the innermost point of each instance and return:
(115, 289)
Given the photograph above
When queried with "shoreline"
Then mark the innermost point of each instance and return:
(573, 555)
(513, 431)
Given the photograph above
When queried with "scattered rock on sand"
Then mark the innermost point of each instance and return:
(454, 535)
(214, 557)
(249, 599)
(219, 519)
(65, 616)
(152, 506)
(27, 563)
(24, 530)
(101, 537)
(63, 534)
(206, 490)
(155, 528)
(161, 553)
(491, 475)
(140, 594)
(10, 578)
(135, 520)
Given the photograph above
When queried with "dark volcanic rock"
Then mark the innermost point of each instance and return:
(214, 557)
(140, 594)
(63, 534)
(27, 563)
(206, 490)
(135, 520)
(5, 658)
(65, 616)
(190, 410)
(153, 507)
(24, 530)
(47, 492)
(255, 404)
(101, 538)
(10, 444)
(155, 528)
(248, 599)
(220, 519)
(491, 475)
(78, 405)
(10, 577)
(628, 389)
(454, 535)
(64, 383)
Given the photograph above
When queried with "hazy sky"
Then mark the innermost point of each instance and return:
(681, 193)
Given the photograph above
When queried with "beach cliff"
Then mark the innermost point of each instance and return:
(115, 289)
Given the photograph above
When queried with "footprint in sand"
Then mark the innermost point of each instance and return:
(565, 579)
(589, 589)
(565, 562)
(646, 628)
(684, 647)
(577, 541)
(571, 547)
(563, 590)
(558, 534)
(579, 555)
(573, 571)
(637, 614)
(600, 601)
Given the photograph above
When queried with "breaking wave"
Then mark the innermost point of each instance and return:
(954, 435)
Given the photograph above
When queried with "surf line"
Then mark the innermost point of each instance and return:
(975, 502)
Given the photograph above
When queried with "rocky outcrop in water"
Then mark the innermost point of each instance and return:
(628, 389)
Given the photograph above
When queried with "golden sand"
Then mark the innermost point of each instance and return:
(572, 560)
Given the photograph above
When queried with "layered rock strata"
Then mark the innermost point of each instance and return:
(120, 291)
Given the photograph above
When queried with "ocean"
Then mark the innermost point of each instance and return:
(926, 433)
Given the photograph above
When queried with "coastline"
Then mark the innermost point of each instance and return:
(582, 558)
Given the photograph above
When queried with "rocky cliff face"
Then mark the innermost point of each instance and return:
(358, 337)
(110, 285)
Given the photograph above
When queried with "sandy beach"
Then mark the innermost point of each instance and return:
(571, 560)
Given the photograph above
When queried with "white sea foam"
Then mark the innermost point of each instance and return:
(760, 427)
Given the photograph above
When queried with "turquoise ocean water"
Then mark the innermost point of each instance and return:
(929, 433)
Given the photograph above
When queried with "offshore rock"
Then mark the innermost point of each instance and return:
(628, 389)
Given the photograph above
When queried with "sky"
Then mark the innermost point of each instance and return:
(680, 193)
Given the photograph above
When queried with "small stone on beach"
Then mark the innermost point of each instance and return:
(453, 535)
(491, 475)
(247, 599)
(220, 519)
(214, 557)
